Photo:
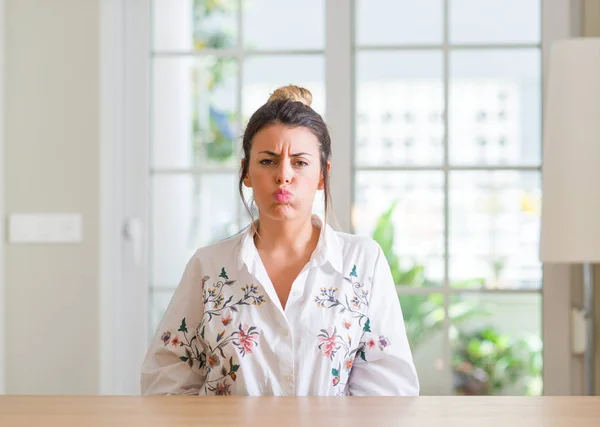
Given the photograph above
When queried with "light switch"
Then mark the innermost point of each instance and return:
(44, 228)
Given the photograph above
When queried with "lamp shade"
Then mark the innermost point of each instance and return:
(570, 223)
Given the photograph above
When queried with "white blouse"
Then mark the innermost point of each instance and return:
(341, 333)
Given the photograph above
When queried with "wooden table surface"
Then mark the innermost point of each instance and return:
(71, 411)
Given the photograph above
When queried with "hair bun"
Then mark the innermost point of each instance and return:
(292, 93)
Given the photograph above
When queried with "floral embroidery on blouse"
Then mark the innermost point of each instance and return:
(199, 351)
(331, 342)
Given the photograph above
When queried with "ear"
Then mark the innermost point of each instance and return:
(322, 180)
(247, 182)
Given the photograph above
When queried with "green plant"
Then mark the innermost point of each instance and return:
(487, 362)
(384, 235)
(423, 314)
(484, 361)
(212, 128)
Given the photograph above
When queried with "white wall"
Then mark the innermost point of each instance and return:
(52, 165)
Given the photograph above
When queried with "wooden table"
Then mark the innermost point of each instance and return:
(71, 411)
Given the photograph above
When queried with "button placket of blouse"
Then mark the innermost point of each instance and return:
(298, 284)
(287, 362)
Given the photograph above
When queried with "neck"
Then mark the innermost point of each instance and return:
(292, 237)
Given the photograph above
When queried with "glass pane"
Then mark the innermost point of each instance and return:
(493, 21)
(394, 22)
(264, 74)
(495, 107)
(189, 212)
(494, 230)
(194, 24)
(159, 301)
(403, 212)
(424, 321)
(287, 25)
(399, 108)
(496, 344)
(194, 112)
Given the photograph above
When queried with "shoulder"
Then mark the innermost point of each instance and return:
(361, 250)
(218, 251)
(209, 260)
(353, 242)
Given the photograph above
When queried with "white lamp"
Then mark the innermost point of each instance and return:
(570, 223)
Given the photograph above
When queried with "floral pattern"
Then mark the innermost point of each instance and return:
(198, 351)
(246, 339)
(330, 342)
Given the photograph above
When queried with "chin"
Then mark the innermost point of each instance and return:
(281, 211)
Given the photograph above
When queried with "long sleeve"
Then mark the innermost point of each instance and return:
(173, 363)
(385, 367)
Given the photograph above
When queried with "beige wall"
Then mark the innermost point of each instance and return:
(52, 165)
(591, 28)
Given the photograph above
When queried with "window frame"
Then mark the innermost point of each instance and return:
(124, 282)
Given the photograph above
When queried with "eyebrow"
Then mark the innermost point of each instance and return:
(278, 155)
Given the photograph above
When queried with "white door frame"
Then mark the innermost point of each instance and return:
(123, 196)
(125, 123)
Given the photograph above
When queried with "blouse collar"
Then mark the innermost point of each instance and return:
(328, 248)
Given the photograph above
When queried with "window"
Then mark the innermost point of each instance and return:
(446, 151)
(454, 198)
(213, 64)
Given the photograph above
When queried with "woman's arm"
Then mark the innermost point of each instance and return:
(174, 360)
(386, 367)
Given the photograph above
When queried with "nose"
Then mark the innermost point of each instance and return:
(284, 174)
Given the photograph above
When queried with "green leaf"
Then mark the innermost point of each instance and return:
(184, 359)
(202, 332)
(335, 372)
(183, 327)
(353, 272)
(415, 276)
(384, 231)
(362, 355)
(234, 368)
(367, 327)
(223, 274)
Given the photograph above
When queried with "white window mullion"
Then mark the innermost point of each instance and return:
(339, 79)
(239, 54)
(446, 168)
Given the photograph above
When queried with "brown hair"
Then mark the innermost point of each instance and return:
(289, 106)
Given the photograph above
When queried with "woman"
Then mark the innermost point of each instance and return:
(290, 306)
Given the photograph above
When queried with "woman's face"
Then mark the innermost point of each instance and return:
(284, 171)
